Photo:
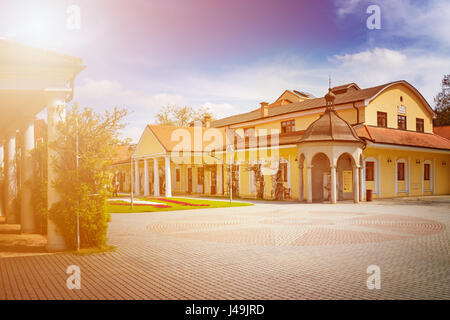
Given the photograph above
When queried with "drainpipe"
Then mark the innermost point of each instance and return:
(357, 113)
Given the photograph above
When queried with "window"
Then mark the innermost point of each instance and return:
(284, 171)
(200, 176)
(177, 175)
(426, 171)
(382, 119)
(249, 132)
(288, 126)
(401, 122)
(419, 125)
(370, 166)
(401, 171)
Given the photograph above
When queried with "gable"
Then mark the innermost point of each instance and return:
(290, 96)
(148, 145)
(400, 94)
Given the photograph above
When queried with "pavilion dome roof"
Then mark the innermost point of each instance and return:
(330, 127)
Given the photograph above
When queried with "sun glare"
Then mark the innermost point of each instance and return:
(35, 23)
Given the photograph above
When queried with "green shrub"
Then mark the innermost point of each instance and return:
(83, 188)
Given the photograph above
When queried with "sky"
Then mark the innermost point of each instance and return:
(230, 55)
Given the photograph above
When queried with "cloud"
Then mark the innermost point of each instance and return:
(380, 65)
(422, 21)
(132, 132)
(107, 93)
(346, 7)
(221, 110)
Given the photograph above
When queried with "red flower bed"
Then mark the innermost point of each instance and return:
(140, 204)
(184, 203)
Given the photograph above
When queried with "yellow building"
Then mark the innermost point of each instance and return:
(302, 148)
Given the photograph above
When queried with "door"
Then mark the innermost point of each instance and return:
(213, 180)
(201, 180)
(189, 180)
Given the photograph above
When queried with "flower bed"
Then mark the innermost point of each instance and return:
(140, 204)
(184, 203)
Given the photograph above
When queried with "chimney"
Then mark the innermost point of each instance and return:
(207, 121)
(264, 109)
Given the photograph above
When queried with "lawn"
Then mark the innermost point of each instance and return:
(169, 204)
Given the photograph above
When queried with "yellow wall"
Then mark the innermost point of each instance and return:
(389, 100)
(414, 171)
(148, 145)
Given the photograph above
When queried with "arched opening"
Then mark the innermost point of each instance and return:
(345, 177)
(321, 178)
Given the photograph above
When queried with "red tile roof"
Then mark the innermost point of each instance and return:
(308, 104)
(443, 131)
(402, 137)
(164, 135)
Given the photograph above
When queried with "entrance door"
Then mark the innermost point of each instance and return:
(213, 180)
(189, 180)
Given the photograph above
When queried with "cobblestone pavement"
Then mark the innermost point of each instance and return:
(267, 251)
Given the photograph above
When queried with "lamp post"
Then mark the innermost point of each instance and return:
(231, 150)
(77, 157)
(131, 182)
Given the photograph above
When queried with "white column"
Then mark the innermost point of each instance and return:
(408, 176)
(219, 179)
(137, 187)
(433, 176)
(2, 200)
(10, 185)
(361, 184)
(168, 177)
(155, 177)
(379, 166)
(309, 185)
(333, 184)
(27, 218)
(356, 184)
(300, 182)
(146, 191)
(55, 240)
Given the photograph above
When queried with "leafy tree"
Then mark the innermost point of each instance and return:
(181, 116)
(39, 185)
(442, 101)
(84, 190)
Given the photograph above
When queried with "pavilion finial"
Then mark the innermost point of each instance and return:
(329, 82)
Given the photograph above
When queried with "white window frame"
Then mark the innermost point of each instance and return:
(284, 160)
(431, 177)
(401, 160)
(375, 174)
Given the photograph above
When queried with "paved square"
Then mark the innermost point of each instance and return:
(267, 251)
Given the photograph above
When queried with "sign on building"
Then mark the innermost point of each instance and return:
(347, 180)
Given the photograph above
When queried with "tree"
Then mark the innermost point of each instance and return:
(83, 187)
(181, 116)
(442, 101)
